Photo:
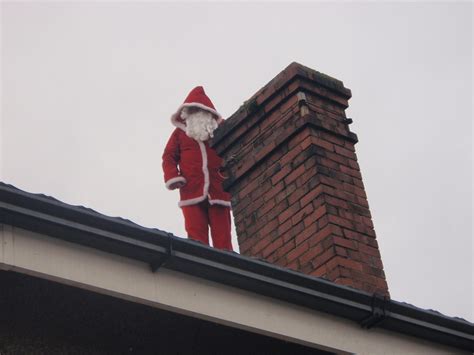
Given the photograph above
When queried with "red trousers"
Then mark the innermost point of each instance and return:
(198, 218)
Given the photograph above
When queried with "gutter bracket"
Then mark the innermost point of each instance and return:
(379, 311)
(163, 259)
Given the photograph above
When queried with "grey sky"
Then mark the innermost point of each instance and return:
(88, 89)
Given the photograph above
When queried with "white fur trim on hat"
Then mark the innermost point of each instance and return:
(176, 117)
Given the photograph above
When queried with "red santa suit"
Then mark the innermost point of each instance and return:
(195, 164)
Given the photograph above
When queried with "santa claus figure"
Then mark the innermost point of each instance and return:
(193, 167)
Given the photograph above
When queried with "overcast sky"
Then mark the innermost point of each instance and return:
(88, 89)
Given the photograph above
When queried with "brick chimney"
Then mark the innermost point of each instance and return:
(298, 197)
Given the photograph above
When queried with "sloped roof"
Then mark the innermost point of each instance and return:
(84, 226)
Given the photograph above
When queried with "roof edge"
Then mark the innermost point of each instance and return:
(87, 227)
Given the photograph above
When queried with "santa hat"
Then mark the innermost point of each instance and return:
(196, 98)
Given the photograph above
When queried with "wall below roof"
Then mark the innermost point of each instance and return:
(41, 316)
(42, 256)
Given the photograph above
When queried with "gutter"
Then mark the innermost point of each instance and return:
(80, 225)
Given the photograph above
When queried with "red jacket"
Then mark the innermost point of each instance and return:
(198, 166)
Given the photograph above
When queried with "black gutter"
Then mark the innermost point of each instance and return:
(84, 226)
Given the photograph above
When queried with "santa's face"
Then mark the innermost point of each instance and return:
(200, 124)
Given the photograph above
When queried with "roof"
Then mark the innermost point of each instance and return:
(84, 226)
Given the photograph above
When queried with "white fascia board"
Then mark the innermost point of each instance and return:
(57, 260)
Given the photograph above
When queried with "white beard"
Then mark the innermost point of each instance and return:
(200, 125)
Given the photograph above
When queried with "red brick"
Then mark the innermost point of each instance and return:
(272, 192)
(343, 195)
(269, 249)
(317, 214)
(346, 243)
(367, 221)
(301, 202)
(306, 269)
(382, 284)
(269, 227)
(332, 210)
(327, 243)
(349, 145)
(372, 242)
(244, 166)
(288, 190)
(354, 255)
(329, 163)
(290, 211)
(353, 164)
(285, 170)
(285, 248)
(323, 221)
(300, 138)
(369, 250)
(362, 228)
(345, 152)
(347, 263)
(309, 174)
(262, 243)
(294, 265)
(317, 237)
(366, 278)
(351, 172)
(350, 216)
(291, 233)
(295, 253)
(319, 272)
(288, 104)
(247, 245)
(337, 185)
(361, 201)
(298, 194)
(253, 206)
(333, 274)
(323, 144)
(367, 269)
(288, 157)
(311, 195)
(268, 206)
(305, 211)
(336, 201)
(306, 143)
(265, 150)
(282, 228)
(355, 235)
(359, 183)
(337, 158)
(356, 190)
(294, 174)
(307, 232)
(340, 221)
(324, 258)
(331, 138)
(345, 281)
(263, 187)
(341, 251)
(276, 210)
(310, 254)
(324, 104)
